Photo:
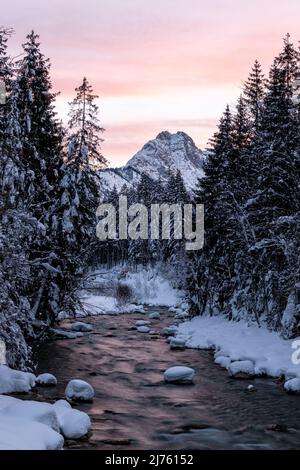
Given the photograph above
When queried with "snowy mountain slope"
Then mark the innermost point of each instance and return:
(164, 153)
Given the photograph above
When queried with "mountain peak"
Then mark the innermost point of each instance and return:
(167, 152)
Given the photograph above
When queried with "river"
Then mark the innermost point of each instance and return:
(134, 409)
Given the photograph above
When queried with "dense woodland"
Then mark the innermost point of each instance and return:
(49, 197)
(249, 267)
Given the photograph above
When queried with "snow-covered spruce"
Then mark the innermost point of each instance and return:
(179, 375)
(79, 390)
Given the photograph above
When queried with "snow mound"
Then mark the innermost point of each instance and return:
(179, 375)
(240, 369)
(154, 316)
(73, 424)
(34, 411)
(143, 329)
(142, 323)
(14, 381)
(46, 380)
(177, 343)
(79, 390)
(81, 326)
(17, 433)
(292, 386)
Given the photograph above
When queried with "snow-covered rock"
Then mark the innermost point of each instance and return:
(142, 323)
(154, 316)
(65, 334)
(143, 329)
(12, 381)
(73, 424)
(181, 315)
(79, 390)
(293, 386)
(46, 380)
(177, 343)
(179, 375)
(81, 326)
(18, 433)
(169, 330)
(241, 369)
(222, 361)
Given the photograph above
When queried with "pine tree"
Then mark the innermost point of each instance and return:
(254, 89)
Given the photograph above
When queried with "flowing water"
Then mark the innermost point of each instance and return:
(134, 409)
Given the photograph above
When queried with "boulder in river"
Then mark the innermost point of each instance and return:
(143, 329)
(179, 375)
(241, 369)
(177, 343)
(46, 380)
(154, 316)
(79, 390)
(169, 330)
(292, 386)
(81, 326)
(142, 323)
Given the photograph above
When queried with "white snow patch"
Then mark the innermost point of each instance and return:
(12, 381)
(46, 379)
(179, 374)
(292, 386)
(79, 390)
(239, 341)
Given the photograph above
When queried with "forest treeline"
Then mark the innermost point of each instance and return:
(49, 197)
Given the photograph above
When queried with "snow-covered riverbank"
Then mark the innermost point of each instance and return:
(243, 348)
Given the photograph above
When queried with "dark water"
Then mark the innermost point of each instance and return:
(134, 409)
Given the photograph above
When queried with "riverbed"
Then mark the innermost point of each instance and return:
(134, 409)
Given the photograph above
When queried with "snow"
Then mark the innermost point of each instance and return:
(32, 410)
(142, 323)
(81, 326)
(15, 381)
(79, 390)
(17, 433)
(152, 288)
(177, 343)
(154, 316)
(143, 329)
(169, 330)
(73, 424)
(292, 386)
(33, 425)
(148, 285)
(268, 353)
(179, 374)
(167, 151)
(237, 368)
(46, 379)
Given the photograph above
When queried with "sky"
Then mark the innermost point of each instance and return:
(160, 65)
